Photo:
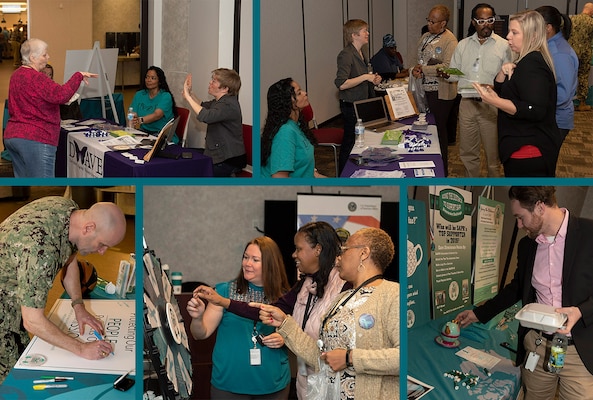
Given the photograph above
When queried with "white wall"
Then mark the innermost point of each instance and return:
(201, 231)
(509, 7)
(190, 36)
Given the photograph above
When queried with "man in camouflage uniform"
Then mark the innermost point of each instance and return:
(36, 243)
(581, 40)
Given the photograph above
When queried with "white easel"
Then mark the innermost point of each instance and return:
(103, 81)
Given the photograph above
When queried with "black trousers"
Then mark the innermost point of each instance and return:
(442, 109)
(526, 167)
(349, 119)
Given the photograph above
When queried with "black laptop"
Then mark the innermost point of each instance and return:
(373, 114)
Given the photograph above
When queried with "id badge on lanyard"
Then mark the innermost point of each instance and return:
(255, 353)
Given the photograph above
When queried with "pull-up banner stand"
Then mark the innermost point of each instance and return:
(100, 61)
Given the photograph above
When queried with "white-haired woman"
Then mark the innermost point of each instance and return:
(33, 130)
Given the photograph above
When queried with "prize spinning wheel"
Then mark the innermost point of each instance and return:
(165, 340)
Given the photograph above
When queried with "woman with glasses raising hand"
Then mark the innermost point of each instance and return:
(153, 104)
(358, 349)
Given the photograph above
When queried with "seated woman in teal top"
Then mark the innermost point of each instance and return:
(242, 365)
(154, 104)
(287, 142)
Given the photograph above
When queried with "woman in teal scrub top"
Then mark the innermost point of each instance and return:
(242, 365)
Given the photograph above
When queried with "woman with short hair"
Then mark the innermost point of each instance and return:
(33, 130)
(224, 135)
(358, 351)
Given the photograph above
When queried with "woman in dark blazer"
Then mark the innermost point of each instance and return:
(525, 93)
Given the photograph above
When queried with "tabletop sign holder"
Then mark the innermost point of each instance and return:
(161, 141)
(82, 60)
(400, 103)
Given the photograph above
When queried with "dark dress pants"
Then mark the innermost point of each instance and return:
(349, 118)
(441, 109)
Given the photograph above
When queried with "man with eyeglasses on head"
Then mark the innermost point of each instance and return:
(479, 57)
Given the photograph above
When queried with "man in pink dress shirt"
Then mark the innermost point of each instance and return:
(553, 268)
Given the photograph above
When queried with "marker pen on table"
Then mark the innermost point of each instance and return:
(50, 380)
(62, 378)
(56, 386)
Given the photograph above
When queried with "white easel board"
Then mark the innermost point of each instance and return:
(78, 60)
(119, 322)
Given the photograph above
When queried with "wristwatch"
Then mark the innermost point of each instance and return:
(141, 120)
(348, 359)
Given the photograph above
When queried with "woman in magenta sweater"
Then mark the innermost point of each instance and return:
(33, 130)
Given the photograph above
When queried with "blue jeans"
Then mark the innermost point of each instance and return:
(31, 159)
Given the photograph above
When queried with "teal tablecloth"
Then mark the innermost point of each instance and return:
(428, 361)
(19, 382)
(91, 108)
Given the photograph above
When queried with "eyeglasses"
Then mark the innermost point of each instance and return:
(344, 248)
(152, 78)
(485, 21)
(431, 22)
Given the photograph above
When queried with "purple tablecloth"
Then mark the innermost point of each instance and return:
(116, 165)
(439, 169)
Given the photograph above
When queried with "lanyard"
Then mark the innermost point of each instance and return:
(309, 308)
(338, 308)
(427, 42)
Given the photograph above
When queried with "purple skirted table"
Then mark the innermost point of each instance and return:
(116, 165)
(373, 140)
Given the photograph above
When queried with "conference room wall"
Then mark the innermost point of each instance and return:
(202, 230)
(197, 37)
(302, 38)
(63, 25)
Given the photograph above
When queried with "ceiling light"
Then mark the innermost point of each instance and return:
(13, 8)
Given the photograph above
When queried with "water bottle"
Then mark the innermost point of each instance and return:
(130, 119)
(359, 133)
(557, 353)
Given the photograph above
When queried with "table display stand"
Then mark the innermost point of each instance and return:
(165, 339)
(103, 80)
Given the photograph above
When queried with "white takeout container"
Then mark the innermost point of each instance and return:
(541, 316)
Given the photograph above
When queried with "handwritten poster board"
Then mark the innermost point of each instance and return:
(119, 321)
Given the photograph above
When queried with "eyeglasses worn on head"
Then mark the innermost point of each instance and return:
(485, 21)
(344, 248)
